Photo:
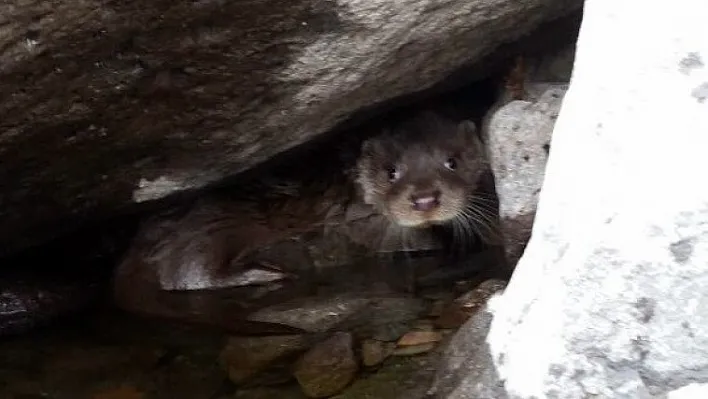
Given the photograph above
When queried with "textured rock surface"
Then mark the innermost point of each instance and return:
(465, 369)
(466, 305)
(104, 104)
(244, 357)
(360, 310)
(518, 139)
(466, 357)
(327, 368)
(374, 352)
(609, 299)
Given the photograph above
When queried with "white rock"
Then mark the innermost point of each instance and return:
(690, 391)
(518, 136)
(609, 300)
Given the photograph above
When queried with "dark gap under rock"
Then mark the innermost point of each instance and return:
(371, 300)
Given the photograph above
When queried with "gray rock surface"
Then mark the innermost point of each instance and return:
(370, 313)
(609, 299)
(464, 370)
(105, 105)
(518, 137)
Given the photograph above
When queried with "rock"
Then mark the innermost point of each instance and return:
(413, 350)
(374, 352)
(387, 318)
(243, 357)
(464, 369)
(609, 298)
(132, 106)
(400, 377)
(423, 325)
(312, 314)
(389, 332)
(413, 338)
(383, 317)
(328, 367)
(518, 131)
(518, 139)
(457, 313)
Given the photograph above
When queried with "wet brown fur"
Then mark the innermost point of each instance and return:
(218, 233)
(418, 150)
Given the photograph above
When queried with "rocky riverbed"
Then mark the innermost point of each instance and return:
(379, 342)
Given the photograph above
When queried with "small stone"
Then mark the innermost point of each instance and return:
(414, 349)
(414, 338)
(243, 357)
(390, 332)
(374, 352)
(453, 316)
(423, 325)
(457, 313)
(327, 368)
(387, 318)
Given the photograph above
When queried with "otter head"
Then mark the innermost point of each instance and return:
(423, 172)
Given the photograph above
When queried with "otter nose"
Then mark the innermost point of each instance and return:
(425, 201)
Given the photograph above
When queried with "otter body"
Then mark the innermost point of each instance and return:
(422, 174)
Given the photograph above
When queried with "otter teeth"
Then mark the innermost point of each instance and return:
(425, 203)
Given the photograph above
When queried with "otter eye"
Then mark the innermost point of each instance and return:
(393, 173)
(451, 163)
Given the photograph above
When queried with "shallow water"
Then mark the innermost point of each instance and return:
(115, 355)
(107, 353)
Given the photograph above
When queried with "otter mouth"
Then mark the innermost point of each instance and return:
(425, 210)
(422, 221)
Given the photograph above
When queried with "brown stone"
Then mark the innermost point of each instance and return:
(328, 367)
(453, 316)
(413, 338)
(374, 352)
(244, 357)
(414, 349)
(457, 312)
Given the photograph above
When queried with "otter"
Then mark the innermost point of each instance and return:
(422, 176)
(428, 172)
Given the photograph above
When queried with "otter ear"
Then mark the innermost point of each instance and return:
(372, 147)
(467, 132)
(467, 129)
(368, 148)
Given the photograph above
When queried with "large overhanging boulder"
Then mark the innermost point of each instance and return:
(108, 104)
(610, 298)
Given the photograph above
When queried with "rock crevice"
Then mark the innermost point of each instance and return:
(104, 104)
